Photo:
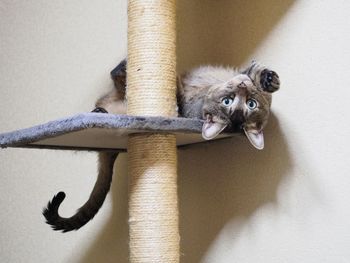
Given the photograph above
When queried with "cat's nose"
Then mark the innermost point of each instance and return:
(242, 81)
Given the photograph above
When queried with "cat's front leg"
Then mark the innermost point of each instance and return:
(263, 77)
(269, 80)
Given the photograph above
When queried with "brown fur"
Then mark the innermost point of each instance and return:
(113, 102)
(201, 94)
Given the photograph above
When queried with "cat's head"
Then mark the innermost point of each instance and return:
(237, 105)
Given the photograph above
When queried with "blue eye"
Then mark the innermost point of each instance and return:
(227, 101)
(252, 104)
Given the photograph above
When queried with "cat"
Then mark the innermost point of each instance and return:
(113, 102)
(228, 100)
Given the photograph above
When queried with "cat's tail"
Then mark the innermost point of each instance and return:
(93, 204)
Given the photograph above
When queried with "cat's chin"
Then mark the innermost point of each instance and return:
(256, 138)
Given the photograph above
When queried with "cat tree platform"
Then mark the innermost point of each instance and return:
(101, 132)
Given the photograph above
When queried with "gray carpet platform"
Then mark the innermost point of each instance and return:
(100, 131)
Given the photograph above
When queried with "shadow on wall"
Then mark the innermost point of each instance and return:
(222, 181)
(227, 181)
(225, 31)
(111, 244)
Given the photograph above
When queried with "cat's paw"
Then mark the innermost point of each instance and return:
(100, 110)
(269, 80)
(119, 70)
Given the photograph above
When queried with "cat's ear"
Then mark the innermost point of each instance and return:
(212, 129)
(256, 138)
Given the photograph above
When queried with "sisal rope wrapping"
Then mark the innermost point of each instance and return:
(153, 206)
(151, 57)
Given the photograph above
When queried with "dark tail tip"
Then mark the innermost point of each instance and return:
(51, 211)
(59, 197)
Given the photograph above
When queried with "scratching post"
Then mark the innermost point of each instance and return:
(153, 209)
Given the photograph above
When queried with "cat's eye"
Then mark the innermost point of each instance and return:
(227, 101)
(251, 104)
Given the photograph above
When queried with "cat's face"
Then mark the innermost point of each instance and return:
(235, 106)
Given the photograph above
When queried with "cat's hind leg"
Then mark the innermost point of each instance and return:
(114, 101)
(118, 75)
(99, 110)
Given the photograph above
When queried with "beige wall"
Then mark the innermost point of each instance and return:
(288, 203)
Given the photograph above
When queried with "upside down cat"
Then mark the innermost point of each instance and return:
(228, 100)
